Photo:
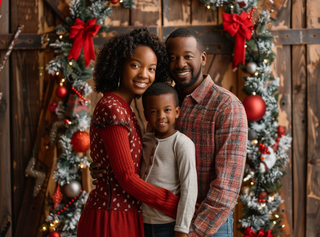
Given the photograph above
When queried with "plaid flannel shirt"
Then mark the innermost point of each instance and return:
(215, 120)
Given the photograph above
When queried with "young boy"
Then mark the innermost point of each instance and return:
(168, 162)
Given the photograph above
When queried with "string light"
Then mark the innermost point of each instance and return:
(276, 215)
(70, 63)
(266, 61)
(252, 183)
(245, 46)
(256, 73)
(57, 73)
(274, 222)
(255, 142)
(283, 226)
(208, 6)
(60, 37)
(44, 228)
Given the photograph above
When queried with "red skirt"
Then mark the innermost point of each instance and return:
(102, 223)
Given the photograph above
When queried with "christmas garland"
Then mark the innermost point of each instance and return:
(268, 145)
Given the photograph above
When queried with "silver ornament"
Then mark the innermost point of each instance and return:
(251, 68)
(252, 135)
(72, 189)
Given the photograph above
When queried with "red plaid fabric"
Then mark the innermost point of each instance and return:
(216, 122)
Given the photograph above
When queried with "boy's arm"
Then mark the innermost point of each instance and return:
(185, 156)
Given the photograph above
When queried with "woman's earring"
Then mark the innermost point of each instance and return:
(118, 83)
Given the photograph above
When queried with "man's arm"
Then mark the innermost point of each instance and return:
(230, 154)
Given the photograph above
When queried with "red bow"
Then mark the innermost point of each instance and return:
(83, 33)
(241, 26)
(250, 233)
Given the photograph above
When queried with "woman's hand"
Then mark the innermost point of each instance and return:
(96, 172)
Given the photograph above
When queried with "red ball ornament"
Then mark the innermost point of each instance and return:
(80, 141)
(54, 234)
(114, 1)
(61, 91)
(255, 107)
(263, 195)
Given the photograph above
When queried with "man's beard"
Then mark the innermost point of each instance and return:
(193, 80)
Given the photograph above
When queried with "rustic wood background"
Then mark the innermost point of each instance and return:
(25, 125)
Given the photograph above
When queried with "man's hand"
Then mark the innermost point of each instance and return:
(180, 234)
(96, 172)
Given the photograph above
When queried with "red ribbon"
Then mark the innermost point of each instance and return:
(241, 27)
(250, 233)
(83, 33)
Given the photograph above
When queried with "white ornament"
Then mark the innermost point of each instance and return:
(38, 175)
(267, 161)
(251, 68)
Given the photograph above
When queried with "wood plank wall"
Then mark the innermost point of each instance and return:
(313, 114)
(297, 66)
(5, 153)
(282, 69)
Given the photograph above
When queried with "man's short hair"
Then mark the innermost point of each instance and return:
(160, 88)
(187, 32)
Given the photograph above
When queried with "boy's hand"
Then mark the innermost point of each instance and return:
(180, 234)
(96, 172)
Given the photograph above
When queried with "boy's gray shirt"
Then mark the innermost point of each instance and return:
(170, 163)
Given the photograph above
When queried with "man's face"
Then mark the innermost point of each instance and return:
(185, 61)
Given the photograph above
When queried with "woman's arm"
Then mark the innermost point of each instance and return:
(121, 162)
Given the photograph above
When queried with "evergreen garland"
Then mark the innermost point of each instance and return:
(260, 190)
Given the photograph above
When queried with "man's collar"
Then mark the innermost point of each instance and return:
(199, 93)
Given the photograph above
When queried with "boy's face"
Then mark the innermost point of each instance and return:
(161, 113)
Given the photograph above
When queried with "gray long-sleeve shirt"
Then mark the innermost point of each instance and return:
(170, 163)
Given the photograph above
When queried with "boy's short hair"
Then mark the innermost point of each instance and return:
(160, 88)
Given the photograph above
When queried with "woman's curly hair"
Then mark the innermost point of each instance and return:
(114, 53)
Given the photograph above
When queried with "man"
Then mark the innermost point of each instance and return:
(215, 120)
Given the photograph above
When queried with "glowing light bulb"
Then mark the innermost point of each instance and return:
(57, 73)
(60, 36)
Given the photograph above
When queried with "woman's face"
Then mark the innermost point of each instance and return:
(138, 71)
